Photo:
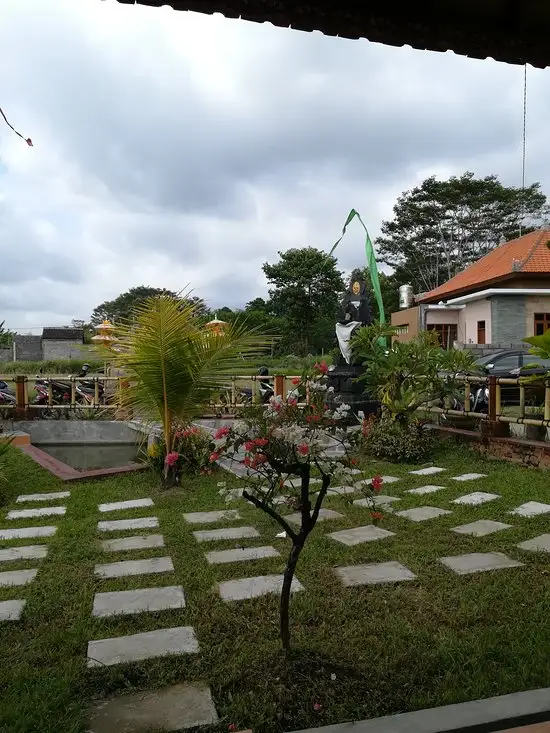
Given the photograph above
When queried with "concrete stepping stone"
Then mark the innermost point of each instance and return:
(143, 600)
(226, 515)
(261, 585)
(45, 511)
(120, 525)
(481, 528)
(324, 514)
(147, 645)
(385, 480)
(53, 496)
(374, 574)
(531, 509)
(423, 513)
(469, 476)
(429, 471)
(227, 533)
(358, 535)
(380, 500)
(341, 490)
(241, 554)
(428, 489)
(168, 709)
(134, 567)
(296, 483)
(11, 610)
(478, 497)
(118, 506)
(26, 533)
(479, 562)
(139, 542)
(29, 552)
(537, 544)
(17, 577)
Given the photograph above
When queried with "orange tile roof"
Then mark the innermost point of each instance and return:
(530, 253)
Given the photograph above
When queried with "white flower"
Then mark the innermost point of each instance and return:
(361, 415)
(240, 427)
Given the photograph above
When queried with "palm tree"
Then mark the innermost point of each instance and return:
(173, 366)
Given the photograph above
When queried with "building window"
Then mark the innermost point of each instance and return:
(400, 330)
(542, 323)
(447, 333)
(481, 332)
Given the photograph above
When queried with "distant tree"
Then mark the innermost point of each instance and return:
(306, 290)
(441, 227)
(122, 308)
(6, 336)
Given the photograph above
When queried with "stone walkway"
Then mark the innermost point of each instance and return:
(13, 609)
(388, 572)
(172, 708)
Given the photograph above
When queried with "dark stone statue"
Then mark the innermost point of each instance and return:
(355, 312)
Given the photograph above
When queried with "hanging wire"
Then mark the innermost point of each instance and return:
(523, 155)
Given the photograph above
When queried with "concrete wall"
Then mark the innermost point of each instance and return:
(45, 432)
(508, 317)
(6, 354)
(28, 348)
(408, 319)
(479, 310)
(441, 316)
(534, 304)
(484, 349)
(62, 349)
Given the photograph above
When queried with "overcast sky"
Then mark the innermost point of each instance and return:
(175, 149)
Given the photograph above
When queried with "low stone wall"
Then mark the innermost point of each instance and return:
(44, 432)
(485, 349)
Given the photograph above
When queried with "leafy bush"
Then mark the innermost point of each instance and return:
(191, 452)
(391, 440)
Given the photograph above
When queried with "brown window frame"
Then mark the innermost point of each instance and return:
(541, 323)
(481, 329)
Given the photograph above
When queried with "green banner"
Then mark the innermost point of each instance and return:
(371, 261)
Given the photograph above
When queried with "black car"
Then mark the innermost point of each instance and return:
(512, 364)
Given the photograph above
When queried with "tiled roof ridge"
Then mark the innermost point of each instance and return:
(542, 233)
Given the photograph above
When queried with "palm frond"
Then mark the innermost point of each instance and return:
(172, 364)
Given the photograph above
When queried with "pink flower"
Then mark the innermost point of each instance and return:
(322, 367)
(292, 402)
(247, 461)
(261, 442)
(296, 381)
(376, 516)
(232, 727)
(172, 458)
(317, 707)
(214, 457)
(303, 449)
(249, 445)
(221, 433)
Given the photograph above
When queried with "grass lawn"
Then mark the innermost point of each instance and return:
(358, 652)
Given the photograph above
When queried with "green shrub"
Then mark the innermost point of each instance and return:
(58, 367)
(409, 442)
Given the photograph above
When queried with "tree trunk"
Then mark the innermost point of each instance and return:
(285, 592)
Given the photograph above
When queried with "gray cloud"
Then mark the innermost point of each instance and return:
(176, 149)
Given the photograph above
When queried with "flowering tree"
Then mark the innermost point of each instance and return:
(293, 456)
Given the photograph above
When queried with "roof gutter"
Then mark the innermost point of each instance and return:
(498, 291)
